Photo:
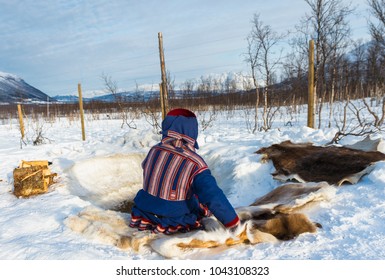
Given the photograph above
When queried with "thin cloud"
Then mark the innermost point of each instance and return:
(55, 44)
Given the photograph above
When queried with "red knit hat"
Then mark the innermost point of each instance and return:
(181, 112)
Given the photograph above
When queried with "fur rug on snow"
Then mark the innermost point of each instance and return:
(336, 165)
(271, 218)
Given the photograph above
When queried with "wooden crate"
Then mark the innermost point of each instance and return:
(32, 178)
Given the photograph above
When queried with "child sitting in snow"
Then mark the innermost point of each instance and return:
(178, 188)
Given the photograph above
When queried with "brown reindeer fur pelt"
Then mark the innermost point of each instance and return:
(286, 226)
(309, 163)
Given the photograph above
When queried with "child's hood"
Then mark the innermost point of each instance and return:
(183, 125)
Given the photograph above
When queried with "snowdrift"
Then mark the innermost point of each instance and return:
(271, 218)
(104, 171)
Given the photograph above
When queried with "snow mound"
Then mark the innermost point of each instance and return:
(106, 181)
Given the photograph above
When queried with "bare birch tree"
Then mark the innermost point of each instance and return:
(252, 58)
(376, 61)
(328, 26)
(377, 30)
(263, 60)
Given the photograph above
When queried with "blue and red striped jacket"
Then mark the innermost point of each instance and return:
(178, 188)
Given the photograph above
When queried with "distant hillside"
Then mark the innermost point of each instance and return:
(127, 96)
(14, 89)
(67, 98)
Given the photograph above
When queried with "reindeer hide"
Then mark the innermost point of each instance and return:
(307, 163)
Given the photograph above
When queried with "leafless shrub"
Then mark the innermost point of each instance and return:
(35, 131)
(153, 117)
(251, 119)
(112, 87)
(39, 136)
(206, 118)
(358, 124)
(378, 121)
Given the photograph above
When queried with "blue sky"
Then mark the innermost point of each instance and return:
(56, 44)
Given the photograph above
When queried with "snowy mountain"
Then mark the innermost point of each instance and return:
(223, 81)
(68, 98)
(14, 89)
(126, 96)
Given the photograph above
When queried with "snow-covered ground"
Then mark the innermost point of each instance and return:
(105, 169)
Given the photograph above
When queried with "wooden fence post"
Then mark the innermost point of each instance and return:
(163, 72)
(164, 112)
(21, 122)
(81, 111)
(311, 99)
